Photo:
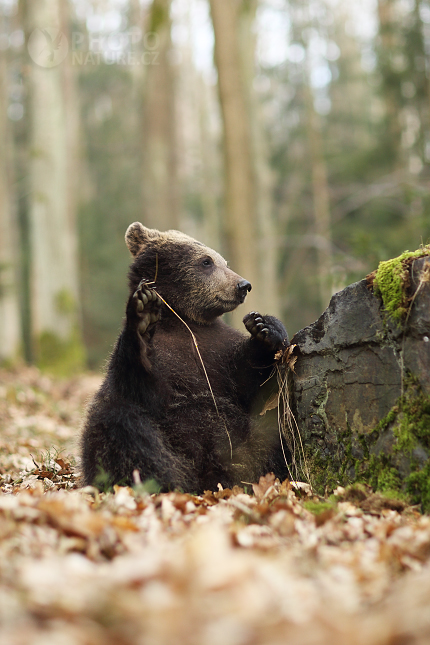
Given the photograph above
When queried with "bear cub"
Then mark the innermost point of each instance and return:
(154, 412)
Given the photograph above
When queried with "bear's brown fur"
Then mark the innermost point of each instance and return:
(154, 412)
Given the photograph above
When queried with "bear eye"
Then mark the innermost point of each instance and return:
(207, 262)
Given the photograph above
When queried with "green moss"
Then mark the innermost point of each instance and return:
(391, 282)
(323, 479)
(409, 422)
(329, 471)
(418, 486)
(148, 487)
(60, 357)
(416, 421)
(379, 472)
(395, 493)
(387, 478)
(103, 480)
(406, 440)
(364, 445)
(317, 507)
(387, 421)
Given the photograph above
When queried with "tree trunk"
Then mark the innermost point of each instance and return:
(54, 280)
(267, 245)
(10, 329)
(159, 182)
(199, 155)
(241, 220)
(321, 201)
(210, 156)
(387, 51)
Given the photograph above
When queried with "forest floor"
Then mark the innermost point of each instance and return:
(269, 565)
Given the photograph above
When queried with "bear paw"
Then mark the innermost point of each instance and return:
(147, 306)
(267, 330)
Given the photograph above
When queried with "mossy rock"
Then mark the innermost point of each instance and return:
(361, 388)
(395, 454)
(392, 282)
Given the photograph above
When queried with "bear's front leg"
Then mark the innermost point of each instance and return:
(143, 312)
(267, 330)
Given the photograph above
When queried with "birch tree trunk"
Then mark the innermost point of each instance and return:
(54, 282)
(159, 181)
(10, 328)
(240, 188)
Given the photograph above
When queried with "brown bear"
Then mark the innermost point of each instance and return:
(155, 412)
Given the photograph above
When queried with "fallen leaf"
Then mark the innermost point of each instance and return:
(263, 485)
(271, 403)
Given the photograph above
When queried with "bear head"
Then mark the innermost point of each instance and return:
(191, 277)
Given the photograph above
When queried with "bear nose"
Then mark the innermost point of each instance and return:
(243, 287)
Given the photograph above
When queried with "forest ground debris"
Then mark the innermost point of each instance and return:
(227, 567)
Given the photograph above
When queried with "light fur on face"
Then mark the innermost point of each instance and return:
(201, 296)
(137, 237)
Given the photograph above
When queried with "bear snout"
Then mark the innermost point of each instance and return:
(242, 288)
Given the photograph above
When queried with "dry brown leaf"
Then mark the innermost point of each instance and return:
(264, 484)
(223, 567)
(271, 403)
(286, 356)
(303, 488)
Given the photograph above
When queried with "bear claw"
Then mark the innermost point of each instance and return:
(265, 330)
(146, 305)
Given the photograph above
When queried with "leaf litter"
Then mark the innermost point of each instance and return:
(265, 562)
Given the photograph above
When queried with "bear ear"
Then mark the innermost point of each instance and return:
(137, 237)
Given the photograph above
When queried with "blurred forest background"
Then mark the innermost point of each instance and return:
(291, 135)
